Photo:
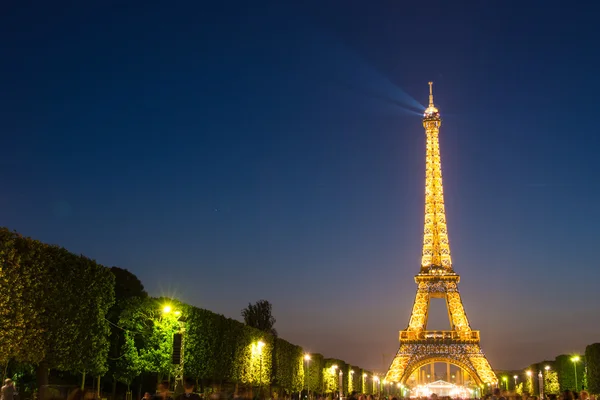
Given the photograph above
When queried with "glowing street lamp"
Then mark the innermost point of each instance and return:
(541, 384)
(376, 384)
(541, 381)
(166, 309)
(505, 379)
(575, 360)
(515, 376)
(260, 346)
(307, 359)
(341, 384)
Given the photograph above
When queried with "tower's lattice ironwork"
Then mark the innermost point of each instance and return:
(437, 279)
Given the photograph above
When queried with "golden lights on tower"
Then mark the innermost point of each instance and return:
(437, 279)
(436, 248)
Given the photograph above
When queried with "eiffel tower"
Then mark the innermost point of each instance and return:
(436, 279)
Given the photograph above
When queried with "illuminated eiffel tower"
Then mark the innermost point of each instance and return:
(436, 279)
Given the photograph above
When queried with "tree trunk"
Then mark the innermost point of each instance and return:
(5, 371)
(42, 380)
(83, 381)
(114, 388)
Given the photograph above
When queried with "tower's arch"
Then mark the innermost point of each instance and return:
(417, 365)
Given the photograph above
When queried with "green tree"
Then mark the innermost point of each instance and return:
(519, 388)
(22, 276)
(288, 369)
(259, 316)
(208, 334)
(331, 375)
(62, 300)
(565, 368)
(129, 365)
(152, 331)
(354, 379)
(366, 382)
(315, 372)
(592, 356)
(127, 287)
(551, 385)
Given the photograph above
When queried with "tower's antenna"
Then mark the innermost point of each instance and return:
(430, 94)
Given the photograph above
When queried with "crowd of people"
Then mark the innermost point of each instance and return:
(163, 393)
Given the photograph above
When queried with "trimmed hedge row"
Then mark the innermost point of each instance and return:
(222, 350)
(563, 373)
(55, 311)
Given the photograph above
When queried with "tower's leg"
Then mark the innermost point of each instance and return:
(448, 376)
(432, 372)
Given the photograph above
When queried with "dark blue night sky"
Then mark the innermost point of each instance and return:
(229, 153)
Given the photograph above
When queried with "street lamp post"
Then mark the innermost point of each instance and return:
(261, 344)
(375, 385)
(505, 379)
(547, 368)
(307, 359)
(575, 359)
(541, 384)
(333, 369)
(178, 345)
(341, 385)
(362, 389)
(515, 377)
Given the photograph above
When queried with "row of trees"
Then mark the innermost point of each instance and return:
(220, 350)
(565, 372)
(65, 317)
(52, 308)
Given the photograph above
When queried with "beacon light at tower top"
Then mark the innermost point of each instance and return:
(431, 111)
